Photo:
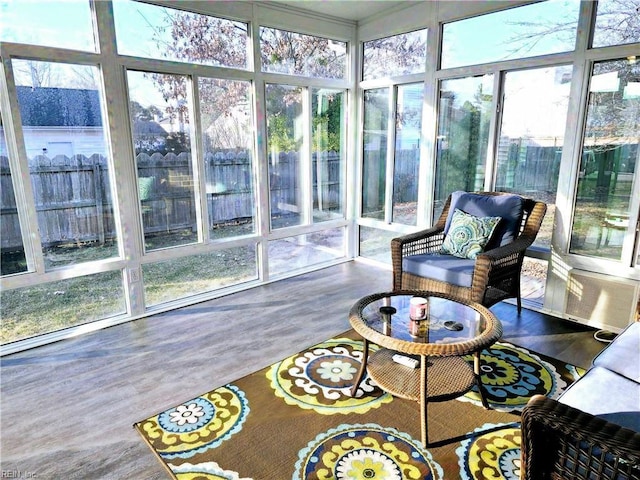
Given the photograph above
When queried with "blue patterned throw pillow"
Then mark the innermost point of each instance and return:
(468, 234)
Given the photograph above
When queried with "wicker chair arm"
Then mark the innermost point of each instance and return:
(424, 241)
(423, 236)
(557, 438)
(518, 246)
(499, 262)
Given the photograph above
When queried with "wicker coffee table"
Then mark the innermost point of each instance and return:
(452, 329)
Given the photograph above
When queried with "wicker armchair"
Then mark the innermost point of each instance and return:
(496, 271)
(562, 442)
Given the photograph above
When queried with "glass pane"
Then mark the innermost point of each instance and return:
(183, 277)
(376, 121)
(530, 147)
(540, 29)
(306, 55)
(39, 22)
(285, 130)
(533, 279)
(227, 134)
(617, 23)
(328, 157)
(61, 110)
(150, 31)
(407, 153)
(13, 256)
(397, 55)
(464, 114)
(304, 251)
(376, 244)
(160, 116)
(609, 160)
(31, 311)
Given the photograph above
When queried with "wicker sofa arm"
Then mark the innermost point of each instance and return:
(559, 441)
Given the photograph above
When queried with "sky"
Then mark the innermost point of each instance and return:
(73, 30)
(31, 21)
(464, 43)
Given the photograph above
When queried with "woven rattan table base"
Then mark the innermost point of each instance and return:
(447, 377)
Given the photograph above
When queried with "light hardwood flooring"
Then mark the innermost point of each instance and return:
(67, 409)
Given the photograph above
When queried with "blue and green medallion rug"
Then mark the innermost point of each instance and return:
(297, 420)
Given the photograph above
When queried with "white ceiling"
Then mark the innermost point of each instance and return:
(347, 9)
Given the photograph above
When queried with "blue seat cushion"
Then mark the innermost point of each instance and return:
(621, 356)
(508, 207)
(446, 268)
(607, 395)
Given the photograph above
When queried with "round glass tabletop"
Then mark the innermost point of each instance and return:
(422, 318)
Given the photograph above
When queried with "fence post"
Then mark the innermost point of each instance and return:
(97, 186)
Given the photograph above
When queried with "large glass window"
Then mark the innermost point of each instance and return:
(306, 55)
(403, 162)
(185, 276)
(298, 253)
(542, 28)
(306, 153)
(34, 310)
(407, 153)
(609, 163)
(374, 244)
(12, 248)
(464, 114)
(376, 123)
(160, 114)
(328, 153)
(617, 23)
(41, 23)
(192, 185)
(227, 134)
(530, 145)
(151, 31)
(285, 133)
(396, 55)
(65, 140)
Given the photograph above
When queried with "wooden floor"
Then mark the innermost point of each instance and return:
(68, 408)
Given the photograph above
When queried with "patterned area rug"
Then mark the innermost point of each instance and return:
(297, 419)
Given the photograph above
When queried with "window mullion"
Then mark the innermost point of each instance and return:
(390, 162)
(494, 130)
(261, 171)
(198, 163)
(306, 182)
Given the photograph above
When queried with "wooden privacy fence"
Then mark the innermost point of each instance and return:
(529, 168)
(74, 204)
(72, 199)
(405, 174)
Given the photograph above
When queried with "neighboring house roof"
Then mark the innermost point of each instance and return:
(148, 127)
(59, 107)
(69, 107)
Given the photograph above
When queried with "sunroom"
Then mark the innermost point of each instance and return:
(158, 155)
(163, 155)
